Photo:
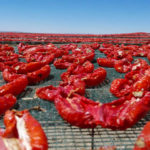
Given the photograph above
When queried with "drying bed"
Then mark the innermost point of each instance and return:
(61, 135)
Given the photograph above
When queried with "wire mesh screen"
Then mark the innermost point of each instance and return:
(61, 135)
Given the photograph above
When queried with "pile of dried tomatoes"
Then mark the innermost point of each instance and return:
(133, 91)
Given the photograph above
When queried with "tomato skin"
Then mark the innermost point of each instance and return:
(24, 68)
(122, 66)
(139, 64)
(148, 55)
(105, 50)
(86, 67)
(68, 47)
(120, 114)
(142, 85)
(138, 70)
(95, 46)
(2, 66)
(47, 93)
(9, 58)
(75, 86)
(6, 102)
(34, 49)
(143, 141)
(33, 77)
(124, 112)
(10, 63)
(38, 139)
(45, 52)
(39, 57)
(86, 53)
(9, 75)
(59, 52)
(140, 53)
(83, 46)
(96, 77)
(50, 92)
(22, 47)
(35, 132)
(75, 68)
(76, 58)
(129, 58)
(120, 87)
(89, 55)
(75, 110)
(61, 64)
(106, 62)
(69, 58)
(136, 82)
(38, 75)
(10, 130)
(90, 79)
(5, 47)
(15, 87)
(133, 76)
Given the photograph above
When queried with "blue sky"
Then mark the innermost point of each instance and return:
(75, 16)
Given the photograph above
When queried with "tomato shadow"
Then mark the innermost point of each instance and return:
(50, 77)
(16, 106)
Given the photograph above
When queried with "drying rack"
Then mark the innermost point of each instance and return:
(61, 135)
